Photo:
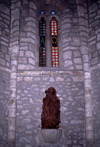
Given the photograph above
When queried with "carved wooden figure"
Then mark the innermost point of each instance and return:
(50, 117)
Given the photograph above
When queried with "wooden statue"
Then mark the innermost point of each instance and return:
(50, 117)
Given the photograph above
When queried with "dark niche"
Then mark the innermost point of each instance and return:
(50, 117)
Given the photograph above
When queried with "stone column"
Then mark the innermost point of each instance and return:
(14, 48)
(88, 97)
(83, 26)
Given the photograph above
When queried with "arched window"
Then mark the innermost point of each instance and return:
(54, 48)
(48, 48)
(42, 48)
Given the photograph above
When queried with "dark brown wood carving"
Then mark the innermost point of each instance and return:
(50, 117)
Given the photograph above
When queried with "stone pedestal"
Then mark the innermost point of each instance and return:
(51, 135)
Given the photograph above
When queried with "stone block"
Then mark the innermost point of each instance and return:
(5, 16)
(22, 60)
(78, 60)
(93, 8)
(67, 63)
(67, 55)
(11, 124)
(82, 21)
(24, 67)
(21, 53)
(80, 11)
(66, 26)
(31, 24)
(88, 101)
(24, 47)
(67, 39)
(89, 124)
(28, 40)
(59, 79)
(88, 83)
(32, 5)
(32, 61)
(79, 67)
(2, 55)
(85, 58)
(11, 136)
(89, 135)
(92, 15)
(2, 61)
(4, 49)
(13, 75)
(15, 29)
(94, 61)
(28, 79)
(29, 54)
(87, 75)
(76, 54)
(84, 50)
(12, 113)
(98, 46)
(4, 9)
(32, 13)
(94, 23)
(88, 112)
(76, 41)
(14, 62)
(31, 35)
(66, 20)
(13, 83)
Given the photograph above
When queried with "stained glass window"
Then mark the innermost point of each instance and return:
(42, 49)
(54, 33)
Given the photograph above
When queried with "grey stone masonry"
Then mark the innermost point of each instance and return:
(4, 35)
(94, 32)
(4, 96)
(31, 86)
(88, 98)
(72, 59)
(14, 49)
(26, 60)
(96, 102)
(83, 22)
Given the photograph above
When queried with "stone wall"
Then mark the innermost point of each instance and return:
(96, 103)
(27, 36)
(71, 39)
(4, 35)
(94, 32)
(31, 88)
(4, 69)
(4, 99)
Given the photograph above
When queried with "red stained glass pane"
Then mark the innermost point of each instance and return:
(55, 55)
(53, 27)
